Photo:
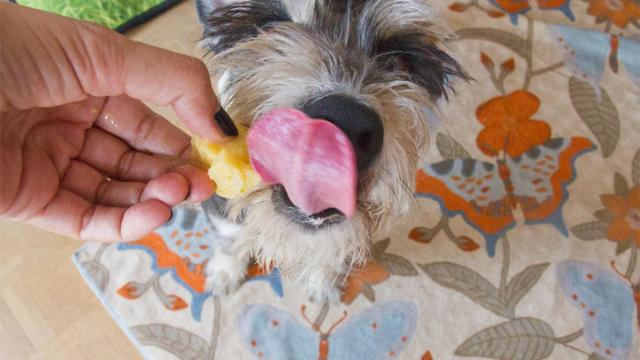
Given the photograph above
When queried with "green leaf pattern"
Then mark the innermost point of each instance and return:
(600, 116)
(526, 338)
(183, 344)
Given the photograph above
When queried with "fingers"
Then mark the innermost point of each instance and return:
(116, 159)
(141, 128)
(130, 119)
(110, 156)
(71, 215)
(170, 188)
(90, 184)
(200, 185)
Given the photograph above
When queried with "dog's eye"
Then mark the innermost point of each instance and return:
(395, 63)
(402, 64)
(428, 65)
(227, 25)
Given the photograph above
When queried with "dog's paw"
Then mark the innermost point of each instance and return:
(225, 273)
(321, 292)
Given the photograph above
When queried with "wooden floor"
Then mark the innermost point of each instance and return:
(46, 310)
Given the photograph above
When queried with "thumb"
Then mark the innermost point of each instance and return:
(163, 77)
(69, 60)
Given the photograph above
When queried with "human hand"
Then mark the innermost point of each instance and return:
(80, 154)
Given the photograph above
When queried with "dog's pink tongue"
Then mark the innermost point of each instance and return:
(311, 158)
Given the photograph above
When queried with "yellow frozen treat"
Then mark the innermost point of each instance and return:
(228, 164)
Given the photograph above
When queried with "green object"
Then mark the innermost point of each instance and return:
(120, 15)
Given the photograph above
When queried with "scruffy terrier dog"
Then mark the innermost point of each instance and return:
(371, 67)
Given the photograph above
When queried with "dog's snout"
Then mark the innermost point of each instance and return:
(361, 124)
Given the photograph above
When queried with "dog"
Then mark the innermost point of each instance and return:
(375, 69)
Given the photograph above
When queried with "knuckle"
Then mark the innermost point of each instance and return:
(199, 70)
(104, 51)
(199, 67)
(125, 164)
(101, 191)
(145, 128)
(185, 150)
(84, 230)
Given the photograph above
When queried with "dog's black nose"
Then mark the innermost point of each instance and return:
(360, 123)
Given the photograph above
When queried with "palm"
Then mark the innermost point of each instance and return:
(106, 169)
(45, 153)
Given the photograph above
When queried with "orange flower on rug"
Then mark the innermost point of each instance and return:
(508, 125)
(625, 212)
(360, 281)
(618, 12)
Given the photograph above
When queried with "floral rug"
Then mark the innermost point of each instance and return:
(523, 242)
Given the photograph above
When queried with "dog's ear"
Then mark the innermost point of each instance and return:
(205, 7)
(426, 63)
(227, 22)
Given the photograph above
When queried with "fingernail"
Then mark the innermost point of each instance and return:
(225, 123)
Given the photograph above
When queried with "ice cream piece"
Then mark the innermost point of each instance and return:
(227, 163)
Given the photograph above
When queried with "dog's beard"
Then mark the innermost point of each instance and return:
(274, 238)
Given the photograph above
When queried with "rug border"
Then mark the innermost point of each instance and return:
(114, 314)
